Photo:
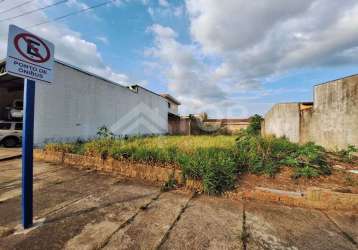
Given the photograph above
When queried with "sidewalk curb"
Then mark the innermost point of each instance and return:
(313, 197)
(11, 157)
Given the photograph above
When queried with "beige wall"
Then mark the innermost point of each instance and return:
(283, 120)
(184, 125)
(232, 127)
(332, 122)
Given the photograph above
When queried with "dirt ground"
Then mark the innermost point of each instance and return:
(78, 209)
(339, 181)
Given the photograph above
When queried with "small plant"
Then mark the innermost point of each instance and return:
(104, 132)
(306, 171)
(347, 155)
(170, 184)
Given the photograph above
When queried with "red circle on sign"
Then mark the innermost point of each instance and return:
(25, 36)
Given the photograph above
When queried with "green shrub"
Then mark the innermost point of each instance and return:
(104, 132)
(261, 155)
(220, 173)
(305, 171)
(312, 156)
(215, 167)
(254, 127)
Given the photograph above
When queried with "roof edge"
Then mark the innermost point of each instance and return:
(170, 98)
(331, 81)
(95, 75)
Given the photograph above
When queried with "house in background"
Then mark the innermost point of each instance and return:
(173, 114)
(173, 104)
(330, 121)
(231, 126)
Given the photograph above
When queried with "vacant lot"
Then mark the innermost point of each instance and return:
(77, 209)
(219, 162)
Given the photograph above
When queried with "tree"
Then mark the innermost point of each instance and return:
(255, 124)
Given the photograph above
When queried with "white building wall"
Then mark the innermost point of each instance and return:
(77, 104)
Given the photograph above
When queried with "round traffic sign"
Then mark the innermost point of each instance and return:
(32, 48)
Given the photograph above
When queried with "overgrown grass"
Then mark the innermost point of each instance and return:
(214, 160)
(267, 155)
(207, 158)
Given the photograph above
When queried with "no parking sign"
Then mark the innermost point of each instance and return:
(29, 56)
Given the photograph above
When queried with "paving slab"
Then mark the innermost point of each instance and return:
(271, 226)
(347, 222)
(10, 171)
(149, 228)
(208, 223)
(54, 177)
(79, 209)
(9, 153)
(87, 223)
(79, 184)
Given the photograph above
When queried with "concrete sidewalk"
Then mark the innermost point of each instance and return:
(9, 153)
(77, 209)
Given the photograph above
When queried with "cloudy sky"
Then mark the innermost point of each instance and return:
(230, 58)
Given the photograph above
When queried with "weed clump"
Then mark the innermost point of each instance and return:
(347, 155)
(266, 155)
(170, 184)
(216, 167)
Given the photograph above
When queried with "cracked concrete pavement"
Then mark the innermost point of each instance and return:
(78, 209)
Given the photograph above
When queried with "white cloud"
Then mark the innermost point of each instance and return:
(237, 44)
(260, 39)
(163, 3)
(103, 39)
(77, 4)
(69, 45)
(191, 80)
(165, 10)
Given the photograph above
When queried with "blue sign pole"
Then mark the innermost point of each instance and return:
(27, 153)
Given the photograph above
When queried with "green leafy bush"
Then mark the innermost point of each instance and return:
(266, 155)
(216, 167)
(254, 127)
(104, 132)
